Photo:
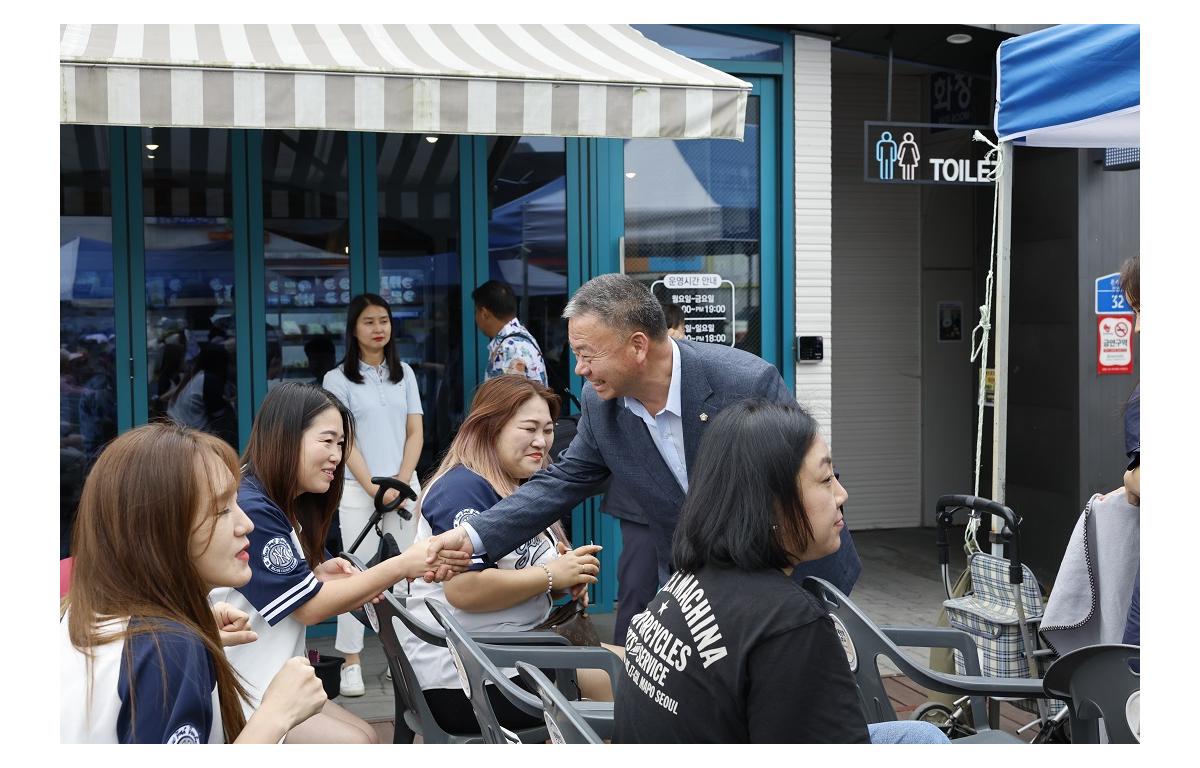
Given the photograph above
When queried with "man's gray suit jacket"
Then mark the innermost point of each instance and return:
(611, 439)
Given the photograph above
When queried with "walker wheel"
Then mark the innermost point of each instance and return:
(941, 716)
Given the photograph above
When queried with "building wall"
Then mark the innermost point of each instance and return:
(1109, 230)
(814, 222)
(952, 218)
(1043, 448)
(876, 274)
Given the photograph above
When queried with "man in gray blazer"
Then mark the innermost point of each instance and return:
(646, 403)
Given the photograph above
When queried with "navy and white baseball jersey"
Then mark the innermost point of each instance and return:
(281, 583)
(456, 496)
(150, 688)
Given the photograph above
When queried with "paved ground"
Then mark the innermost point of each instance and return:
(900, 585)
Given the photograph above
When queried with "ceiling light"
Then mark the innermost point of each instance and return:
(958, 38)
(347, 249)
(150, 156)
(431, 139)
(151, 147)
(630, 174)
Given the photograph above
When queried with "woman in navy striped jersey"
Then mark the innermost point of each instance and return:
(140, 647)
(295, 465)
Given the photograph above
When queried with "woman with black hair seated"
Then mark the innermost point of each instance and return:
(732, 649)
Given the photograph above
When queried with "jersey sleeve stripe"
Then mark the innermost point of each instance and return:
(279, 607)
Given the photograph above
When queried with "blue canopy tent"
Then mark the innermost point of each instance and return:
(1072, 85)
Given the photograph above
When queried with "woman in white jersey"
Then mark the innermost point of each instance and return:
(381, 391)
(291, 483)
(504, 440)
(140, 647)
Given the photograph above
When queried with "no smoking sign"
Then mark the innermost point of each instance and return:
(1114, 344)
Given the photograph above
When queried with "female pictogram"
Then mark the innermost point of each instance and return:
(909, 157)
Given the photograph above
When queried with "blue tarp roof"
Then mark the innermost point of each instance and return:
(1073, 85)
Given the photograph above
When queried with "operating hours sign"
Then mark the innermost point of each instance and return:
(707, 301)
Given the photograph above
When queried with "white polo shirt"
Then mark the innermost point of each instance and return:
(381, 409)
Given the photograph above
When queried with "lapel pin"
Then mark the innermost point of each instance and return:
(704, 417)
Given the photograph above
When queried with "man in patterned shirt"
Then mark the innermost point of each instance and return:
(513, 348)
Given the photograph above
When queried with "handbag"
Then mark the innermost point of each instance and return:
(571, 620)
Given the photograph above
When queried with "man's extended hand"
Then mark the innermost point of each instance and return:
(453, 539)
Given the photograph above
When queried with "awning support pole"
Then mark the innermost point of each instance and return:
(1000, 397)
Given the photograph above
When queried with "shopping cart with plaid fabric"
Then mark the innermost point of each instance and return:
(1001, 613)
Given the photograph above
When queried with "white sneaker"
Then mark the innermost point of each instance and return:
(352, 682)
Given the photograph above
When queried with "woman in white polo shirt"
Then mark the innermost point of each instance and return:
(381, 391)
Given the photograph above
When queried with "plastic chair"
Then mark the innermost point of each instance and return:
(1098, 684)
(479, 664)
(864, 642)
(412, 713)
(564, 722)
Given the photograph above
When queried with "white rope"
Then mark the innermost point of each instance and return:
(982, 332)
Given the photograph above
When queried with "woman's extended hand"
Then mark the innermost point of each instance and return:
(234, 625)
(333, 569)
(414, 563)
(576, 567)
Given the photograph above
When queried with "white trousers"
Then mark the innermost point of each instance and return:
(354, 512)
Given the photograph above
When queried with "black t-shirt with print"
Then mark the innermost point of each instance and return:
(731, 656)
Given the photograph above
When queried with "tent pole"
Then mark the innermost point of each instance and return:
(1000, 396)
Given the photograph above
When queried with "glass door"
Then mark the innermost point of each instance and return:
(702, 211)
(527, 238)
(88, 326)
(306, 252)
(191, 339)
(419, 273)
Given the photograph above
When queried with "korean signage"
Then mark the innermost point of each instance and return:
(903, 153)
(949, 98)
(1110, 299)
(1114, 344)
(707, 302)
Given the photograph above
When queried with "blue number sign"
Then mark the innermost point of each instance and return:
(1110, 299)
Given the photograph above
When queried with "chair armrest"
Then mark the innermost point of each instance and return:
(598, 714)
(569, 657)
(996, 687)
(520, 638)
(937, 637)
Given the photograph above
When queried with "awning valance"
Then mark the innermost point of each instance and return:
(515, 80)
(1073, 85)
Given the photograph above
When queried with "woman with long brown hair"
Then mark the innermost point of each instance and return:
(158, 527)
(292, 480)
(505, 439)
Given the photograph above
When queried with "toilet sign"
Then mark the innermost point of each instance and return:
(912, 153)
(1114, 344)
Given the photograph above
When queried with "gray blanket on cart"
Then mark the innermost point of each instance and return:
(1090, 598)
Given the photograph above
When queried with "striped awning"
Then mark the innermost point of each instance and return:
(513, 80)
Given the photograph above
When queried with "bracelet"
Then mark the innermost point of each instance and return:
(549, 579)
